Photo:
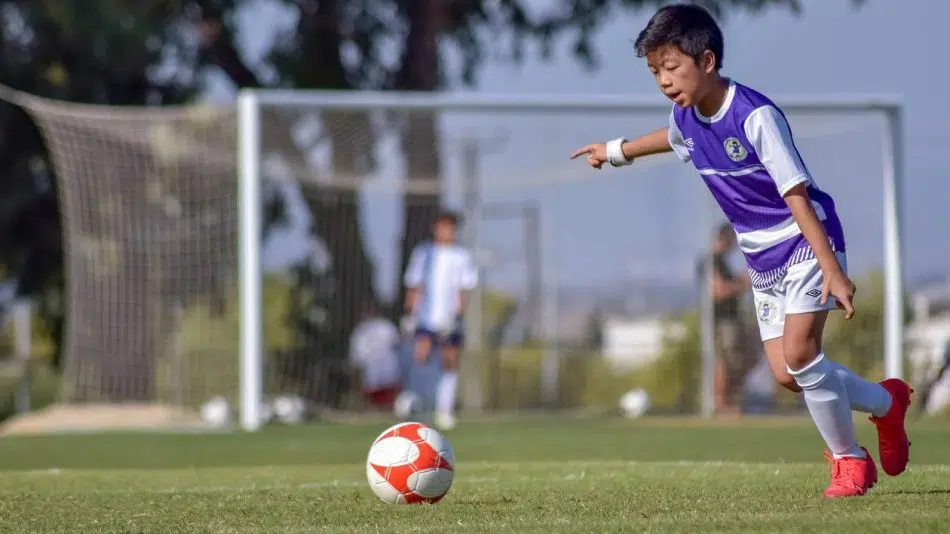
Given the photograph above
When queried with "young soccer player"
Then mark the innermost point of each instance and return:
(787, 228)
(438, 279)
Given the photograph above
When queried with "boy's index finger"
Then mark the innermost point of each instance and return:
(581, 151)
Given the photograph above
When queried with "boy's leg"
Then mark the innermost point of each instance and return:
(887, 402)
(865, 396)
(771, 330)
(423, 346)
(447, 388)
(775, 356)
(827, 400)
(797, 337)
(825, 393)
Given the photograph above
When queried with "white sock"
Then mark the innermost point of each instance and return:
(445, 392)
(865, 396)
(827, 399)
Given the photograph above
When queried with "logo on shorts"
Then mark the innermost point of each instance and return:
(767, 312)
(734, 149)
(814, 293)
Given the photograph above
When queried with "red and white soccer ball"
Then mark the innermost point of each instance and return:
(410, 463)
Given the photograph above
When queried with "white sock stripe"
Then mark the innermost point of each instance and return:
(813, 374)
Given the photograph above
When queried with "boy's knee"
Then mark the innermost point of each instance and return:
(799, 354)
(450, 358)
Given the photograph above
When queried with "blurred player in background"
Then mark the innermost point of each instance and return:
(787, 228)
(734, 354)
(439, 277)
(374, 346)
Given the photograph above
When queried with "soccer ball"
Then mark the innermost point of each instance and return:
(216, 412)
(410, 463)
(635, 403)
(289, 409)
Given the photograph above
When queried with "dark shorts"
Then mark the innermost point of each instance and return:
(453, 339)
(733, 347)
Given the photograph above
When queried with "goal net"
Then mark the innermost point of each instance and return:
(592, 282)
(147, 199)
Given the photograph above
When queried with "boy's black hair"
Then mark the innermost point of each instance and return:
(690, 28)
(448, 216)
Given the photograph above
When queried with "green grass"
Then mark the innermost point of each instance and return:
(654, 475)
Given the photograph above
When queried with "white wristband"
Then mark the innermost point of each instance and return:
(615, 153)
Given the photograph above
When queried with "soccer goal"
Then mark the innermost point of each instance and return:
(229, 250)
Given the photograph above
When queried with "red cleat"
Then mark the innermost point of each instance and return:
(851, 477)
(893, 445)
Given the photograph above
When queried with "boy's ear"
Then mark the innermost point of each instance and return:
(708, 62)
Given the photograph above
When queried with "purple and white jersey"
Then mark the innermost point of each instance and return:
(746, 155)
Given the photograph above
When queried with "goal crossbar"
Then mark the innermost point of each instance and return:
(370, 100)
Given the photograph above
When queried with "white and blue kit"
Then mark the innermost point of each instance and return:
(440, 272)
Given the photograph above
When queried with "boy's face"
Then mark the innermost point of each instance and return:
(679, 77)
(444, 232)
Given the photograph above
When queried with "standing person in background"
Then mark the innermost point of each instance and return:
(734, 357)
(374, 346)
(439, 277)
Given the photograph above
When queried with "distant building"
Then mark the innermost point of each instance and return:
(928, 343)
(632, 343)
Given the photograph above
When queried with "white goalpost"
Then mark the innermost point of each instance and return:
(174, 295)
(251, 101)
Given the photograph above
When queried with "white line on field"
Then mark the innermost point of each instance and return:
(484, 465)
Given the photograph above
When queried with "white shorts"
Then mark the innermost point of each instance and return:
(799, 291)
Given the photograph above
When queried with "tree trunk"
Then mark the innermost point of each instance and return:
(420, 71)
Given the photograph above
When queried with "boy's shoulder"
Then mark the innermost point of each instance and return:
(742, 101)
(455, 249)
(460, 249)
(747, 99)
(423, 246)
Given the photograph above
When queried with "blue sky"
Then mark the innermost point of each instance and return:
(650, 221)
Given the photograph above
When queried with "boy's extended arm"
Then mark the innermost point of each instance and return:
(655, 142)
(621, 151)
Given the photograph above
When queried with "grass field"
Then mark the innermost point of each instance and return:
(653, 475)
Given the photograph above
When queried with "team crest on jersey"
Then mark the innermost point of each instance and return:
(734, 149)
